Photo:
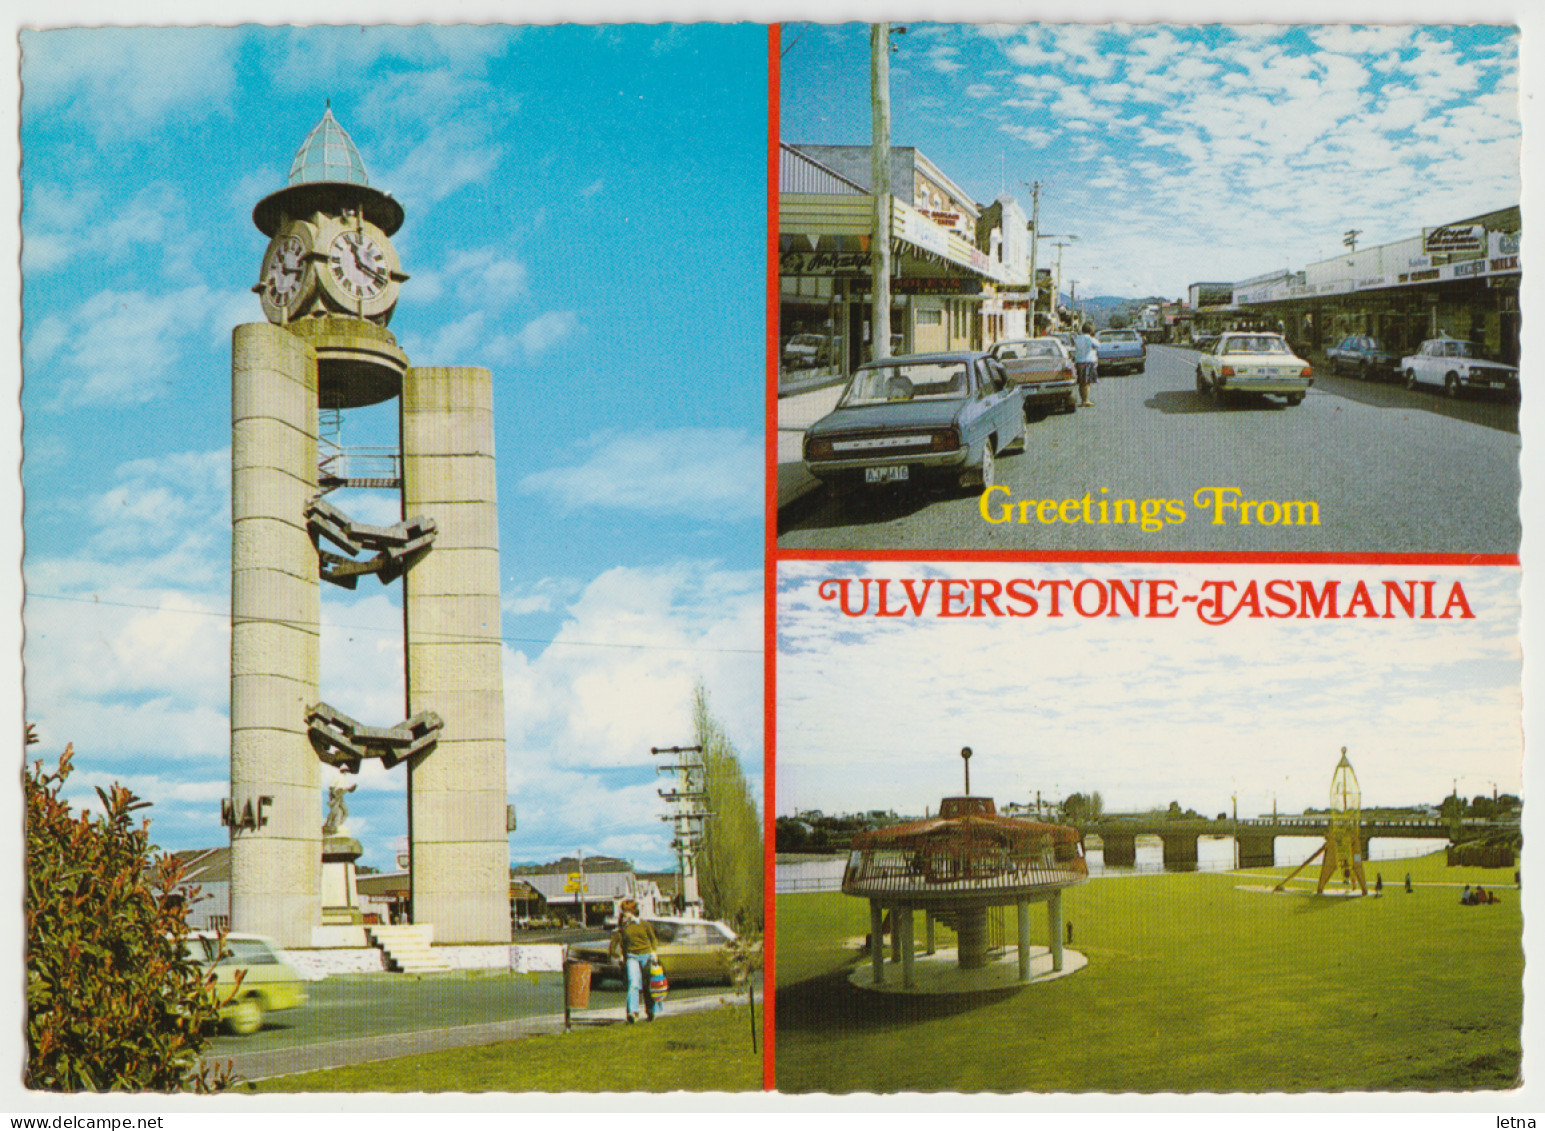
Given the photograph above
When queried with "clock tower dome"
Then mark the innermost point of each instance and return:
(330, 273)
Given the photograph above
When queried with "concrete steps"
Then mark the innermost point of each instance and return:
(407, 948)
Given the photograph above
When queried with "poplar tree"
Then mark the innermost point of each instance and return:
(730, 876)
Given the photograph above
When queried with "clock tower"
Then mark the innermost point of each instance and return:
(329, 282)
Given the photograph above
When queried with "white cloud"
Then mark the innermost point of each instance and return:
(542, 596)
(124, 347)
(869, 709)
(709, 473)
(546, 330)
(1031, 135)
(617, 680)
(131, 81)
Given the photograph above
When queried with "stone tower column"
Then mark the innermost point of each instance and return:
(275, 613)
(456, 792)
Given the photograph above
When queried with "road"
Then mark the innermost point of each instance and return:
(352, 1019)
(1391, 471)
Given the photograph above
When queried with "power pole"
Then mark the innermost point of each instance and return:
(687, 816)
(1057, 290)
(1035, 242)
(880, 174)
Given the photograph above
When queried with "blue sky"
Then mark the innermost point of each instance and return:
(1181, 154)
(872, 713)
(585, 217)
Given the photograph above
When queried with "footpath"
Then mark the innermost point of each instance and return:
(261, 1065)
(800, 404)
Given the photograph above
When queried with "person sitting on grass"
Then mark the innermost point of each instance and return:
(639, 946)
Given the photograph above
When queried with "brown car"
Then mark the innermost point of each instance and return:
(691, 950)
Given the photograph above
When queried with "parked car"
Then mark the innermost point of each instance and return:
(267, 983)
(1364, 357)
(1253, 363)
(1121, 351)
(806, 351)
(922, 418)
(1458, 367)
(691, 950)
(1043, 370)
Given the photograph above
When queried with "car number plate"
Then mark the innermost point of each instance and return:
(887, 474)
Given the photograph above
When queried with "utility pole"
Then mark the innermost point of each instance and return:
(1059, 245)
(687, 816)
(1035, 242)
(880, 174)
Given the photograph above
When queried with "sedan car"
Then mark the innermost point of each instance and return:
(1458, 367)
(691, 950)
(1363, 357)
(921, 418)
(806, 351)
(1043, 370)
(252, 979)
(1253, 363)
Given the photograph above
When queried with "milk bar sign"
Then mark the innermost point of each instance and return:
(1454, 239)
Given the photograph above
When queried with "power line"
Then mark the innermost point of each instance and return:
(441, 636)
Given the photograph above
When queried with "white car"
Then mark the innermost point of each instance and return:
(1456, 367)
(1253, 363)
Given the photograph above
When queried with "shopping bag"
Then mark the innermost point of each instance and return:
(659, 985)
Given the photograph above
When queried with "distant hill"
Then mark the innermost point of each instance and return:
(1101, 307)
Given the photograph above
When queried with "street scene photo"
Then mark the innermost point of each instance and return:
(1218, 827)
(1154, 287)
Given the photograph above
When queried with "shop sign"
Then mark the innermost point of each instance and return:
(1473, 267)
(924, 286)
(825, 262)
(1373, 281)
(1504, 243)
(1506, 263)
(1419, 263)
(1454, 239)
(1426, 276)
(1506, 282)
(924, 233)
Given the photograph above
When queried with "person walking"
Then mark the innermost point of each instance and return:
(636, 942)
(1086, 357)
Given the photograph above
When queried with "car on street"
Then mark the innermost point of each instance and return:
(1364, 357)
(1121, 351)
(806, 351)
(918, 419)
(1456, 366)
(252, 978)
(1253, 363)
(1043, 370)
(691, 950)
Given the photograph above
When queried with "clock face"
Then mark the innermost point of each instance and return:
(358, 265)
(286, 265)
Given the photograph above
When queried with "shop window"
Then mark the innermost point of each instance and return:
(930, 317)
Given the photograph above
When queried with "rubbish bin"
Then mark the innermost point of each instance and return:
(576, 985)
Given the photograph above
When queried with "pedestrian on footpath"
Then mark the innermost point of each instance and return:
(1086, 356)
(635, 940)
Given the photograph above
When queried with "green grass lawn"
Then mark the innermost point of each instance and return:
(701, 1052)
(1192, 985)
